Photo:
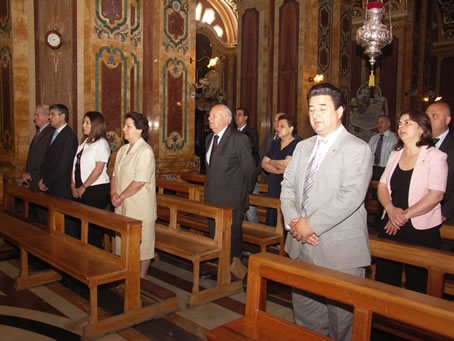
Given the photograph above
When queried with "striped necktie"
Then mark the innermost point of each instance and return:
(312, 168)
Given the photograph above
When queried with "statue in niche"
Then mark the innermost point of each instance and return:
(210, 89)
(211, 85)
(365, 109)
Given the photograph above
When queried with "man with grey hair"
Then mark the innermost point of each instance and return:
(382, 145)
(231, 175)
(38, 147)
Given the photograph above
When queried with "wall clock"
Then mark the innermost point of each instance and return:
(53, 39)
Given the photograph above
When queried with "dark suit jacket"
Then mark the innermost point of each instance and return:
(36, 154)
(253, 136)
(231, 174)
(58, 163)
(447, 205)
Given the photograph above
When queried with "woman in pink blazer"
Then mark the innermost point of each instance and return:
(410, 190)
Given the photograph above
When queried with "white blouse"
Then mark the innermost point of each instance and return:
(98, 151)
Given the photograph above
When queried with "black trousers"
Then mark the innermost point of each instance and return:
(96, 196)
(415, 277)
(236, 232)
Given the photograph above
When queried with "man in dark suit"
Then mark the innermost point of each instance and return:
(38, 147)
(231, 175)
(440, 117)
(241, 120)
(58, 161)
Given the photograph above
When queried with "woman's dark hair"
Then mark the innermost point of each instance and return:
(98, 128)
(423, 122)
(140, 122)
(290, 121)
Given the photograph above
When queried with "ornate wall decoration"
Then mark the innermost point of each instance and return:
(345, 41)
(447, 17)
(174, 104)
(396, 5)
(6, 90)
(111, 21)
(134, 87)
(111, 90)
(176, 26)
(324, 35)
(4, 17)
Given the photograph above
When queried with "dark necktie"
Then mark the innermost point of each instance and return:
(436, 139)
(377, 154)
(214, 146)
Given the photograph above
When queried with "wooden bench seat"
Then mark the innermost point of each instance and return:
(78, 259)
(198, 248)
(366, 296)
(257, 234)
(201, 180)
(83, 264)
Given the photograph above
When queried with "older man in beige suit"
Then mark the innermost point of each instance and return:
(322, 202)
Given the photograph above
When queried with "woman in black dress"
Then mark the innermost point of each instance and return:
(276, 160)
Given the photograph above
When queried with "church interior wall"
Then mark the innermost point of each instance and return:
(136, 55)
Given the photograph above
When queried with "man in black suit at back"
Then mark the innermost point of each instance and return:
(231, 175)
(58, 162)
(241, 120)
(440, 117)
(38, 147)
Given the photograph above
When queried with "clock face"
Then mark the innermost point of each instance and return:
(53, 39)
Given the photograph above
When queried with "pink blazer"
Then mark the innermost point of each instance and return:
(430, 172)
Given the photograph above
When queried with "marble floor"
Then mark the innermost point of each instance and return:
(58, 311)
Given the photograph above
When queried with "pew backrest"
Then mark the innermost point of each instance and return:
(366, 296)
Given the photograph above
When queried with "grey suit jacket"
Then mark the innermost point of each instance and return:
(335, 210)
(231, 174)
(36, 154)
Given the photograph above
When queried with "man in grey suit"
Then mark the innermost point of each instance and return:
(38, 147)
(322, 202)
(231, 175)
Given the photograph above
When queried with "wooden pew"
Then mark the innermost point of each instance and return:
(77, 258)
(256, 234)
(371, 202)
(202, 180)
(172, 239)
(437, 263)
(183, 189)
(263, 235)
(366, 296)
(447, 231)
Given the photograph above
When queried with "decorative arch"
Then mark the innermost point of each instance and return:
(226, 16)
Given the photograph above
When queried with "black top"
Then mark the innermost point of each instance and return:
(400, 186)
(276, 153)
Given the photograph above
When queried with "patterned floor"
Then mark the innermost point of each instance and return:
(58, 312)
